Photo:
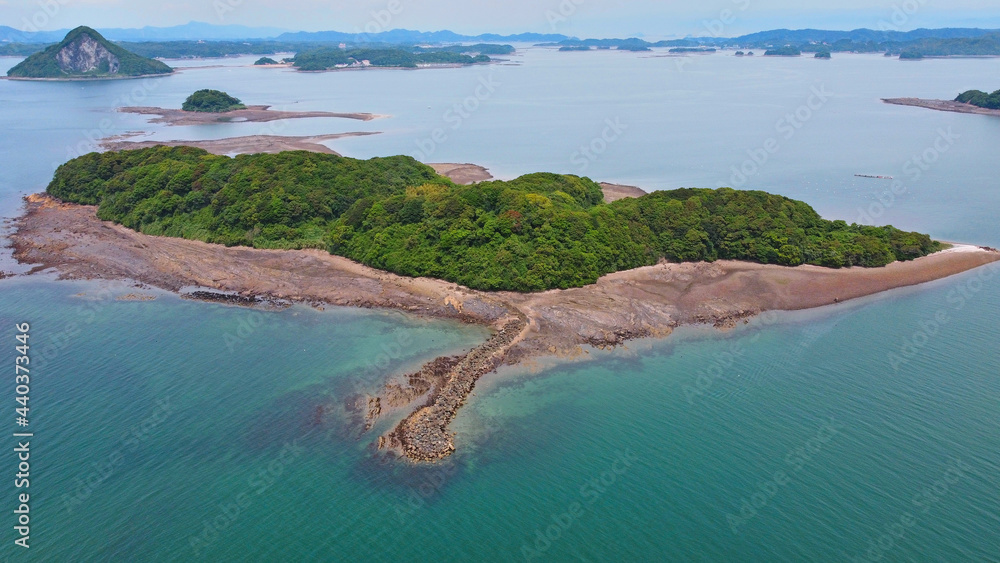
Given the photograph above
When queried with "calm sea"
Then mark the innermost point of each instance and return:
(173, 430)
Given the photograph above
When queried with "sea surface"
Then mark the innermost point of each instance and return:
(173, 430)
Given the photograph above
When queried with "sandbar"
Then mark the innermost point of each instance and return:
(942, 105)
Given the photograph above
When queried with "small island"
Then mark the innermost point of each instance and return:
(823, 55)
(786, 51)
(392, 233)
(265, 61)
(333, 58)
(85, 54)
(211, 101)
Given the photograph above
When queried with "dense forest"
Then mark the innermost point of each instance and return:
(536, 232)
(212, 101)
(980, 99)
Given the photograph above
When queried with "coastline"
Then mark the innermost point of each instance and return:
(87, 78)
(243, 145)
(646, 302)
(942, 105)
(252, 114)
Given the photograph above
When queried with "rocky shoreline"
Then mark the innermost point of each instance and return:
(942, 105)
(645, 302)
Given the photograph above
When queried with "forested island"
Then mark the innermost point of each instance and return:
(537, 232)
(212, 101)
(786, 51)
(84, 54)
(331, 58)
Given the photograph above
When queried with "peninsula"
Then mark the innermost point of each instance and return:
(638, 267)
(86, 55)
(252, 114)
(973, 101)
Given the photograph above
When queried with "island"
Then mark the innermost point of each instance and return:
(333, 58)
(86, 55)
(786, 51)
(543, 260)
(265, 61)
(253, 114)
(211, 101)
(823, 54)
(972, 101)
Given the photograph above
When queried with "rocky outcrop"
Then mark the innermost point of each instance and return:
(85, 54)
(424, 436)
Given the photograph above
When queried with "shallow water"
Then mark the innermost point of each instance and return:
(805, 422)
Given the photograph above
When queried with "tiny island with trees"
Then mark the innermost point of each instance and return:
(212, 101)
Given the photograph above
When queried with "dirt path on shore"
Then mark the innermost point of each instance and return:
(645, 302)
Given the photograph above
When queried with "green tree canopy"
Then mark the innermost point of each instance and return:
(537, 232)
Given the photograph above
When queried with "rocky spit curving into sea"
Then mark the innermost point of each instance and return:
(646, 302)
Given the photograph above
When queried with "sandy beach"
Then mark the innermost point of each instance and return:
(646, 302)
(942, 105)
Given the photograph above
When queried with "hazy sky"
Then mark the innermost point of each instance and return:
(591, 18)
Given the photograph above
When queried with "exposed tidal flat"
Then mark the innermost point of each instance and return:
(531, 446)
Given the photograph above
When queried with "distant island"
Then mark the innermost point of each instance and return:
(265, 61)
(85, 54)
(212, 101)
(823, 55)
(334, 58)
(786, 51)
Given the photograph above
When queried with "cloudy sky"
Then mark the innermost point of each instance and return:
(590, 18)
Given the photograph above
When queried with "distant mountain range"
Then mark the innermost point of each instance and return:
(195, 31)
(800, 36)
(207, 32)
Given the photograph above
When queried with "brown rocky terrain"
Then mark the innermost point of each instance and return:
(252, 114)
(942, 105)
(645, 302)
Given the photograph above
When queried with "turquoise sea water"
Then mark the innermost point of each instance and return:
(174, 431)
